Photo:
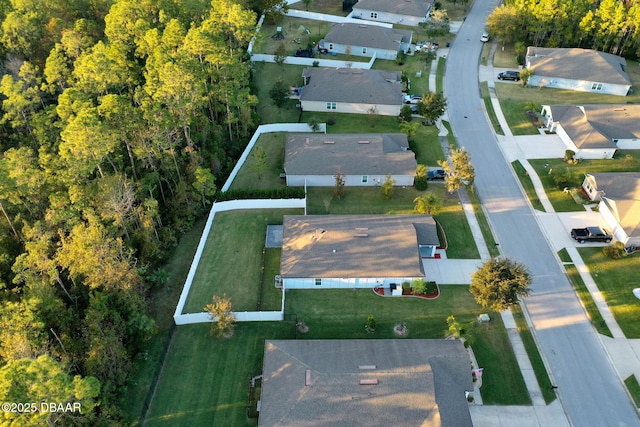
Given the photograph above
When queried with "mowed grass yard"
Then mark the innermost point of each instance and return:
(563, 202)
(616, 279)
(232, 259)
(205, 380)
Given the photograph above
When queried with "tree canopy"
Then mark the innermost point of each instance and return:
(499, 283)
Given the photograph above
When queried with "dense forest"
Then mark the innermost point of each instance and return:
(611, 26)
(118, 119)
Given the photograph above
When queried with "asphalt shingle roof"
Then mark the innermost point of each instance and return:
(353, 85)
(622, 195)
(354, 154)
(419, 383)
(372, 36)
(417, 8)
(349, 246)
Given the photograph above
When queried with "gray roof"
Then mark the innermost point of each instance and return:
(353, 85)
(622, 195)
(372, 36)
(579, 128)
(354, 154)
(419, 383)
(418, 8)
(578, 64)
(366, 246)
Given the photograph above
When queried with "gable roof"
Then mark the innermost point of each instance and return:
(419, 382)
(352, 85)
(417, 8)
(355, 246)
(373, 36)
(579, 128)
(622, 196)
(578, 64)
(354, 154)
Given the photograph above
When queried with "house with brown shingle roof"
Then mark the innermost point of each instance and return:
(619, 197)
(351, 90)
(366, 40)
(583, 70)
(309, 383)
(595, 131)
(354, 251)
(403, 12)
(312, 159)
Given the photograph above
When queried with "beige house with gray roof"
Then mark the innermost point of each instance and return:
(366, 40)
(583, 70)
(619, 196)
(404, 12)
(351, 90)
(595, 131)
(312, 159)
(397, 382)
(355, 251)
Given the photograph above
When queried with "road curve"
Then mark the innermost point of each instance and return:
(589, 389)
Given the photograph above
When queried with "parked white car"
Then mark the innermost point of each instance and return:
(426, 46)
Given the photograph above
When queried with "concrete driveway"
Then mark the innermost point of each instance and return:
(450, 271)
(558, 227)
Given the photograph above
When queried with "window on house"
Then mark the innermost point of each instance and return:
(331, 105)
(365, 179)
(364, 50)
(318, 282)
(374, 15)
(596, 86)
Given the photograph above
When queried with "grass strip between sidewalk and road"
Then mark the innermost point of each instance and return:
(527, 184)
(634, 389)
(535, 358)
(484, 224)
(493, 118)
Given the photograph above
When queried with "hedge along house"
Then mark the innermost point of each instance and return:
(351, 90)
(403, 12)
(595, 131)
(619, 196)
(366, 40)
(577, 69)
(362, 159)
(355, 251)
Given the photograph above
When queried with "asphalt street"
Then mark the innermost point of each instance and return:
(587, 385)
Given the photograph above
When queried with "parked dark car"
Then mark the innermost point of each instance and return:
(591, 234)
(305, 53)
(509, 75)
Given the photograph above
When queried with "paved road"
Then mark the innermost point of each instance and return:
(588, 388)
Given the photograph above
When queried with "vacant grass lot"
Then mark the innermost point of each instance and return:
(527, 184)
(369, 200)
(205, 380)
(563, 202)
(232, 259)
(616, 278)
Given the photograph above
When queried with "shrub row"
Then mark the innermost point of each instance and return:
(254, 193)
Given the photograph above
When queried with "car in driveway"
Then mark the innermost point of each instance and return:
(412, 99)
(509, 75)
(484, 37)
(305, 53)
(591, 234)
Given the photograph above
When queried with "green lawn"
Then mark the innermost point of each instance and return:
(634, 389)
(442, 62)
(291, 29)
(264, 75)
(232, 259)
(514, 114)
(587, 300)
(527, 184)
(505, 57)
(249, 177)
(369, 200)
(534, 355)
(616, 278)
(491, 112)
(271, 296)
(484, 224)
(412, 65)
(563, 202)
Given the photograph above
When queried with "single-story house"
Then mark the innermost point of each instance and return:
(577, 69)
(404, 12)
(366, 40)
(619, 196)
(355, 251)
(409, 382)
(351, 90)
(595, 131)
(313, 159)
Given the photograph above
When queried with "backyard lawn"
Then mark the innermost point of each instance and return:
(563, 202)
(205, 380)
(250, 175)
(616, 279)
(232, 260)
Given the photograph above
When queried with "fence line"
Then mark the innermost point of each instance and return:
(334, 18)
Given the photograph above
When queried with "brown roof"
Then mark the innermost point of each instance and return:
(373, 36)
(417, 8)
(578, 64)
(579, 128)
(354, 154)
(411, 383)
(355, 246)
(353, 85)
(622, 196)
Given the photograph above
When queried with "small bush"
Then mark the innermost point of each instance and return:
(405, 113)
(315, 64)
(419, 286)
(611, 251)
(400, 59)
(420, 184)
(331, 120)
(371, 323)
(431, 288)
(406, 287)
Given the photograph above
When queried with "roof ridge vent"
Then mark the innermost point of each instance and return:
(369, 382)
(329, 142)
(367, 367)
(363, 142)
